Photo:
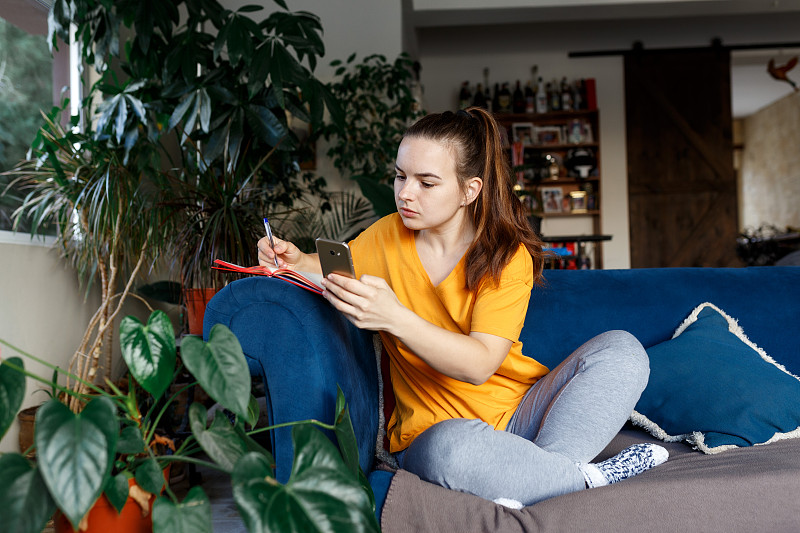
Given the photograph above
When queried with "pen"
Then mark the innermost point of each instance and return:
(271, 242)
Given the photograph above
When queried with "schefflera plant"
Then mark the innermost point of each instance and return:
(80, 456)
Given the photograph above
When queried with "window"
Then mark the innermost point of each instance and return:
(31, 80)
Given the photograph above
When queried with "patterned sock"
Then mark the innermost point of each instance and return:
(627, 463)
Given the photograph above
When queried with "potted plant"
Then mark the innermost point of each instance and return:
(81, 456)
(379, 105)
(218, 85)
(213, 78)
(96, 194)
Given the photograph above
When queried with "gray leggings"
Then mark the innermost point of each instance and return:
(568, 416)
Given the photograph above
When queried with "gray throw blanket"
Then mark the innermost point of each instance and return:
(741, 490)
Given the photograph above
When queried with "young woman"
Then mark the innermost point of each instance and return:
(446, 281)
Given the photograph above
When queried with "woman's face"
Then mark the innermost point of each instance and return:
(426, 189)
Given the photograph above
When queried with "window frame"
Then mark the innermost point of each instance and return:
(31, 17)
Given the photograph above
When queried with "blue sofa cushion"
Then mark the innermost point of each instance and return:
(712, 387)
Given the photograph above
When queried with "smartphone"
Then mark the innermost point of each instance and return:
(335, 258)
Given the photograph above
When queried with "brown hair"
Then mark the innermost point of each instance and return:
(500, 219)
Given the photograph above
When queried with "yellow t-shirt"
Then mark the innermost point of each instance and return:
(423, 396)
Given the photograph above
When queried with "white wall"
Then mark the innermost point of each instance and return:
(42, 310)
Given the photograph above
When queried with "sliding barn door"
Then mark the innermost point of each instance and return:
(681, 182)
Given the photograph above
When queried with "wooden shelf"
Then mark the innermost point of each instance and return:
(556, 116)
(561, 181)
(558, 146)
(541, 125)
(541, 214)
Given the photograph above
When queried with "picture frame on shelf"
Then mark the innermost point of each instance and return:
(552, 198)
(547, 135)
(578, 202)
(576, 130)
(588, 133)
(566, 204)
(522, 132)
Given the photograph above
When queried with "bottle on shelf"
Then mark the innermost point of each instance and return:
(555, 96)
(479, 99)
(518, 100)
(566, 95)
(577, 98)
(541, 96)
(530, 99)
(505, 99)
(464, 96)
(496, 99)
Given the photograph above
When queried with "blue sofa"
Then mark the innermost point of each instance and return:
(303, 348)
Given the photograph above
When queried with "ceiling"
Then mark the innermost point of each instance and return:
(743, 22)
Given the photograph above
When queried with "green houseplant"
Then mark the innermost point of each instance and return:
(190, 97)
(98, 203)
(379, 105)
(83, 455)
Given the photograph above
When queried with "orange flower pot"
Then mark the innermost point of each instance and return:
(196, 301)
(103, 517)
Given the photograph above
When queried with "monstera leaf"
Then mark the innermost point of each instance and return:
(220, 441)
(12, 392)
(220, 368)
(149, 351)
(345, 435)
(75, 452)
(321, 496)
(24, 499)
(193, 515)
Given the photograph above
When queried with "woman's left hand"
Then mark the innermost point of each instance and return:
(369, 302)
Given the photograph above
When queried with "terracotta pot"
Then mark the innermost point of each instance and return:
(103, 518)
(26, 418)
(196, 300)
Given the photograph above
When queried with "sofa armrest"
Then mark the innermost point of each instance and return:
(303, 348)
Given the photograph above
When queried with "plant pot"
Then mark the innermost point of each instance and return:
(196, 300)
(26, 418)
(103, 518)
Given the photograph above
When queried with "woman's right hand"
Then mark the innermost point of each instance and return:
(289, 255)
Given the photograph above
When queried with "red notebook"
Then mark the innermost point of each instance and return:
(306, 280)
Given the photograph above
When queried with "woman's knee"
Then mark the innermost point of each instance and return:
(444, 448)
(627, 355)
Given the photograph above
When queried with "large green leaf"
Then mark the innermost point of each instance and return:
(12, 392)
(333, 104)
(150, 476)
(220, 368)
(149, 351)
(345, 435)
(116, 490)
(265, 124)
(253, 410)
(131, 441)
(75, 452)
(25, 502)
(381, 196)
(220, 441)
(193, 515)
(321, 495)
